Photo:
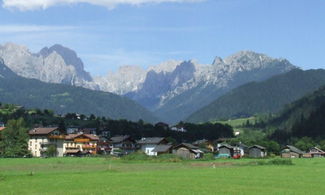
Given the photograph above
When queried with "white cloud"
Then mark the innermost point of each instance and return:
(25, 5)
(32, 28)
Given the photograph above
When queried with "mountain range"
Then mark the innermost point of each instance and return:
(63, 99)
(172, 90)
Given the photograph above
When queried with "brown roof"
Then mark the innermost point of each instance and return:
(90, 136)
(42, 131)
(2, 128)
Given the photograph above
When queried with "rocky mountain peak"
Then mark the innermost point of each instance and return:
(218, 60)
(70, 58)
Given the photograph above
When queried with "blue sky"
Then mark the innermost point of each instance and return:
(141, 32)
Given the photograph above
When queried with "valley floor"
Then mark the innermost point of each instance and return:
(114, 176)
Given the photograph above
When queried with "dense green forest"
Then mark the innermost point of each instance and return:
(37, 117)
(262, 97)
(302, 118)
(32, 93)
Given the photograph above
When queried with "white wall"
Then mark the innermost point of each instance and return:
(148, 149)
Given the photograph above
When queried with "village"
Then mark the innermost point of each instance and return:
(79, 142)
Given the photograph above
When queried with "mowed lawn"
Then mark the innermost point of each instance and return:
(111, 176)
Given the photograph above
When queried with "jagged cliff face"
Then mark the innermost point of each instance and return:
(126, 79)
(160, 81)
(5, 72)
(53, 65)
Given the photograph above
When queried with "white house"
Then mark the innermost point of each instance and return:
(147, 145)
(41, 138)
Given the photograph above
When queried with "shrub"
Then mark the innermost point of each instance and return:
(136, 156)
(279, 161)
(208, 156)
(169, 158)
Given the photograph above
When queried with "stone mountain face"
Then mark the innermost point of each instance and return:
(126, 79)
(157, 84)
(70, 58)
(53, 65)
(5, 72)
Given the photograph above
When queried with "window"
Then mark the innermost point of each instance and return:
(30, 143)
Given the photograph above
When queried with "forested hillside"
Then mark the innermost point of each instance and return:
(262, 97)
(303, 118)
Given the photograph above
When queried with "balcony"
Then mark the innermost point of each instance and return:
(56, 136)
(89, 147)
(81, 140)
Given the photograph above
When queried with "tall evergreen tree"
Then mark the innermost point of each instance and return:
(14, 139)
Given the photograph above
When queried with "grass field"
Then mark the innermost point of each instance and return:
(111, 176)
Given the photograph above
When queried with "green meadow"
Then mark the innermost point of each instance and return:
(115, 176)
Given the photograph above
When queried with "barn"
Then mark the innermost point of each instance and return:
(257, 151)
(291, 152)
(187, 151)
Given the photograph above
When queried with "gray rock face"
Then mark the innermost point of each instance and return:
(53, 65)
(5, 72)
(158, 84)
(70, 58)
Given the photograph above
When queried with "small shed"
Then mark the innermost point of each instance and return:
(291, 152)
(187, 151)
(226, 150)
(257, 151)
(316, 152)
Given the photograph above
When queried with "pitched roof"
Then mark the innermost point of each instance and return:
(257, 146)
(118, 139)
(73, 136)
(151, 140)
(186, 145)
(294, 149)
(162, 148)
(318, 149)
(241, 145)
(226, 146)
(42, 130)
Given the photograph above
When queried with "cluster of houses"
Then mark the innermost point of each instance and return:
(85, 142)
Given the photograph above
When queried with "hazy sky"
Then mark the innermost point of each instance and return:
(108, 33)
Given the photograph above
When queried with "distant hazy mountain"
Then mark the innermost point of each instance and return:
(56, 64)
(32, 93)
(129, 79)
(261, 97)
